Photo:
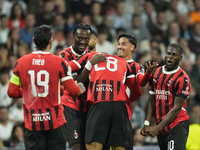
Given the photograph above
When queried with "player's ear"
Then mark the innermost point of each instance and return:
(132, 48)
(33, 39)
(96, 40)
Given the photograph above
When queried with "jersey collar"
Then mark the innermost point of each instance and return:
(40, 52)
(169, 72)
(75, 53)
(130, 60)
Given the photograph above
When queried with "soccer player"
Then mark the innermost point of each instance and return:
(93, 41)
(126, 45)
(75, 108)
(107, 116)
(169, 91)
(37, 77)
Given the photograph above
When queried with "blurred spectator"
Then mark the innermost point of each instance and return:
(104, 45)
(86, 19)
(4, 30)
(157, 57)
(27, 33)
(138, 139)
(17, 17)
(96, 17)
(46, 17)
(138, 30)
(58, 49)
(17, 138)
(8, 4)
(80, 8)
(173, 34)
(187, 54)
(194, 42)
(58, 23)
(13, 41)
(6, 126)
(120, 18)
(195, 15)
(59, 6)
(183, 21)
(191, 100)
(1, 143)
(70, 23)
(16, 112)
(194, 128)
(160, 25)
(22, 50)
(195, 76)
(138, 115)
(172, 11)
(196, 109)
(107, 24)
(5, 100)
(12, 61)
(3, 56)
(186, 65)
(149, 14)
(35, 6)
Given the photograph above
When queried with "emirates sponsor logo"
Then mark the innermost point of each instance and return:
(162, 94)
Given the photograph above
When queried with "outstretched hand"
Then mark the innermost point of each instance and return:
(97, 58)
(150, 67)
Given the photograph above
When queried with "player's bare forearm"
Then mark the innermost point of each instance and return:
(150, 107)
(171, 115)
(83, 76)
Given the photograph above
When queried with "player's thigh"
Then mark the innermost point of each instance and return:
(56, 139)
(34, 140)
(162, 141)
(98, 122)
(118, 133)
(75, 125)
(178, 137)
(94, 146)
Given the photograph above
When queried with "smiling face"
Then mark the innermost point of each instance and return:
(125, 48)
(172, 58)
(81, 40)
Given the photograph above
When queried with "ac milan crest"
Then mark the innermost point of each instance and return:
(75, 134)
(169, 82)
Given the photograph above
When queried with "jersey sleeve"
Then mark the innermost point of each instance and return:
(67, 80)
(65, 55)
(141, 76)
(14, 89)
(79, 62)
(183, 87)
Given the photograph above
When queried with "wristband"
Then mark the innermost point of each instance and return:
(88, 66)
(146, 122)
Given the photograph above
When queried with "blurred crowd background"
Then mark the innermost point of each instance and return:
(154, 23)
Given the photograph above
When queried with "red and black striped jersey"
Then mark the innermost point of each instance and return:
(107, 79)
(166, 85)
(77, 103)
(40, 74)
(135, 67)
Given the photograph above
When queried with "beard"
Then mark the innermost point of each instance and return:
(91, 47)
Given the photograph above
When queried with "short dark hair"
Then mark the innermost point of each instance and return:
(4, 45)
(4, 70)
(83, 27)
(94, 33)
(177, 46)
(131, 38)
(42, 35)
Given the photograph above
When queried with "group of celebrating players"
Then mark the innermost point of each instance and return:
(100, 117)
